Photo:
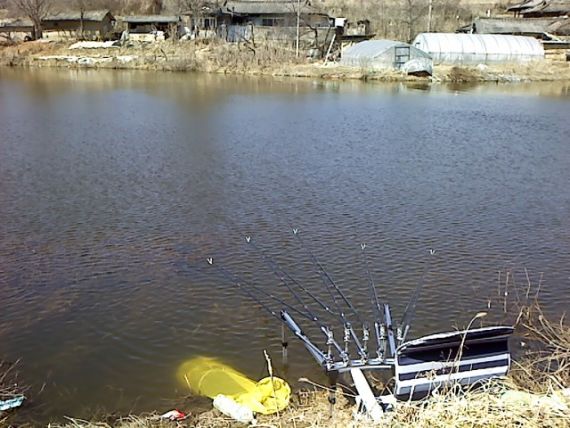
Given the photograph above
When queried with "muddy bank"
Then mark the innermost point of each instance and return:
(267, 60)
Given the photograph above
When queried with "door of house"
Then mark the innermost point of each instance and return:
(402, 55)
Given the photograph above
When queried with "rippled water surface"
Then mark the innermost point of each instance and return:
(116, 186)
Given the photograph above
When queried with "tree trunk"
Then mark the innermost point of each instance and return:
(81, 25)
(37, 34)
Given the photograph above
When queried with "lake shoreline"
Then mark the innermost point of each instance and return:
(232, 59)
(536, 394)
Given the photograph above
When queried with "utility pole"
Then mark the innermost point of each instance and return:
(298, 24)
(430, 7)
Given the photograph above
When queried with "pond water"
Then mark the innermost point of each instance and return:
(116, 186)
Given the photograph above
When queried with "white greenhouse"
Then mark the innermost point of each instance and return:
(472, 49)
(385, 54)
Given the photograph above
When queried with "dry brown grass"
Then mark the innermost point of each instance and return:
(263, 58)
(497, 405)
(545, 366)
(10, 387)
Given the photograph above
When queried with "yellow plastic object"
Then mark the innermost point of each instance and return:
(210, 377)
(267, 397)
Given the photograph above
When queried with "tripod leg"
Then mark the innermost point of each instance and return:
(284, 344)
(333, 380)
(371, 405)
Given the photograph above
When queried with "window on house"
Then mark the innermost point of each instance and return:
(273, 22)
(209, 23)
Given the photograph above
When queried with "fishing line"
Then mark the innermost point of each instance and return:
(410, 311)
(348, 330)
(326, 277)
(374, 300)
(282, 275)
(239, 283)
(245, 286)
(285, 277)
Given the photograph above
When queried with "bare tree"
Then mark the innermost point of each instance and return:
(80, 4)
(196, 10)
(414, 11)
(194, 6)
(36, 10)
(449, 15)
(297, 8)
(155, 6)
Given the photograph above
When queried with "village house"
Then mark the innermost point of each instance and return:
(553, 32)
(561, 28)
(276, 20)
(151, 27)
(16, 29)
(541, 8)
(351, 32)
(88, 25)
(539, 28)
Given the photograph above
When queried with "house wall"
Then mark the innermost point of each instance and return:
(16, 33)
(140, 31)
(145, 37)
(70, 29)
(275, 27)
(287, 34)
(284, 36)
(269, 20)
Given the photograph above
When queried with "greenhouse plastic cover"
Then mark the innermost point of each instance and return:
(478, 48)
(376, 52)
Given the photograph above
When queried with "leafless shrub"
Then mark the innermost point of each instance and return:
(36, 10)
(9, 384)
(545, 364)
(404, 19)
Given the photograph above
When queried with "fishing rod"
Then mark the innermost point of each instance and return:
(287, 279)
(348, 330)
(410, 311)
(283, 276)
(249, 294)
(245, 286)
(283, 316)
(379, 328)
(326, 277)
